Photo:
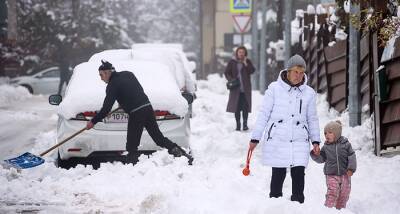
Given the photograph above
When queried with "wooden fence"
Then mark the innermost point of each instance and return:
(387, 101)
(379, 90)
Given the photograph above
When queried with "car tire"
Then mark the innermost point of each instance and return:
(29, 88)
(65, 164)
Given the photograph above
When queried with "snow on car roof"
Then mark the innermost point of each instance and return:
(174, 59)
(112, 55)
(86, 91)
(174, 46)
(167, 54)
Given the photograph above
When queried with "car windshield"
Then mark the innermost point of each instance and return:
(51, 74)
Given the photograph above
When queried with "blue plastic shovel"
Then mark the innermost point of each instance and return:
(29, 160)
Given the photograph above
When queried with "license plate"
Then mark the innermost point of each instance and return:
(117, 118)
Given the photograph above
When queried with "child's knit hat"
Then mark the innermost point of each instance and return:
(335, 127)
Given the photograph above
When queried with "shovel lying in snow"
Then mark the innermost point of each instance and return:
(29, 160)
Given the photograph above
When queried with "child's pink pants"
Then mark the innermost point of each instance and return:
(338, 191)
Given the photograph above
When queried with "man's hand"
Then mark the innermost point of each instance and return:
(252, 146)
(316, 149)
(349, 173)
(89, 125)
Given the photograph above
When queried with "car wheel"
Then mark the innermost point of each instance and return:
(29, 88)
(65, 164)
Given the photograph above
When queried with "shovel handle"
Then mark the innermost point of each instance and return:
(249, 153)
(70, 137)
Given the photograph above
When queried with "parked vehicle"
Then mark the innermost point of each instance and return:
(43, 82)
(107, 140)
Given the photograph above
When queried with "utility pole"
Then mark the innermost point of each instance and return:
(254, 46)
(12, 21)
(3, 20)
(263, 47)
(288, 29)
(354, 71)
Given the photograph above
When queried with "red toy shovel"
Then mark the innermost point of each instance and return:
(246, 170)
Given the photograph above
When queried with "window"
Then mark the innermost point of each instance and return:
(51, 73)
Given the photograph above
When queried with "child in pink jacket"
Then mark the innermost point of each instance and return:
(340, 164)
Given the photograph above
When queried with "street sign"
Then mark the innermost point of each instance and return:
(237, 39)
(240, 6)
(242, 23)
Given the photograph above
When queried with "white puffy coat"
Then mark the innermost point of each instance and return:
(286, 124)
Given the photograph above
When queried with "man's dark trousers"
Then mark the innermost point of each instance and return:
(144, 118)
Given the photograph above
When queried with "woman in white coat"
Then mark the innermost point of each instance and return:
(286, 124)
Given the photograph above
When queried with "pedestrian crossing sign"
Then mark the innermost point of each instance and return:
(240, 6)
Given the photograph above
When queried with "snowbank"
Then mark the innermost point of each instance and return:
(10, 94)
(4, 80)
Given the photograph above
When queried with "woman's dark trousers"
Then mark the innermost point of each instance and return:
(242, 107)
(278, 176)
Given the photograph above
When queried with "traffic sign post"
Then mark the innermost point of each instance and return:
(241, 10)
(242, 24)
(240, 6)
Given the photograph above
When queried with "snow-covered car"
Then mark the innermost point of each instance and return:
(43, 82)
(107, 140)
(171, 55)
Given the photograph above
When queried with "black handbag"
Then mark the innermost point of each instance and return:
(233, 84)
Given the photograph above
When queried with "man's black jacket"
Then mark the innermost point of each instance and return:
(126, 89)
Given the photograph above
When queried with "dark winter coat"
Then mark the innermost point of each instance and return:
(124, 88)
(231, 73)
(338, 157)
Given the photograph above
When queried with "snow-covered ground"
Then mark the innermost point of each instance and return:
(23, 117)
(213, 184)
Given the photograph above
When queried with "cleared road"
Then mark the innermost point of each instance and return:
(22, 121)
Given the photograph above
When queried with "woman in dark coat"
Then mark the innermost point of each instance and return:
(240, 97)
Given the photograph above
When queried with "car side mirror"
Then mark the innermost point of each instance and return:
(189, 97)
(55, 99)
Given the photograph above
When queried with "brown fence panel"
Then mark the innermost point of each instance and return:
(366, 71)
(313, 64)
(321, 67)
(390, 101)
(336, 69)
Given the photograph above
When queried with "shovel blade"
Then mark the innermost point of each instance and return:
(24, 161)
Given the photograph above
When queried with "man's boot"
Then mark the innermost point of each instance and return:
(177, 151)
(132, 157)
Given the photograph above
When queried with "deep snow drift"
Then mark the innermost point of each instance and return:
(214, 184)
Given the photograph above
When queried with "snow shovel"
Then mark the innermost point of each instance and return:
(29, 160)
(246, 170)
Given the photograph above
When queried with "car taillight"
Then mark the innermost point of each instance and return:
(165, 115)
(87, 115)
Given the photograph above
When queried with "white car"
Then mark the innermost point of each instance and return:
(43, 82)
(107, 140)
